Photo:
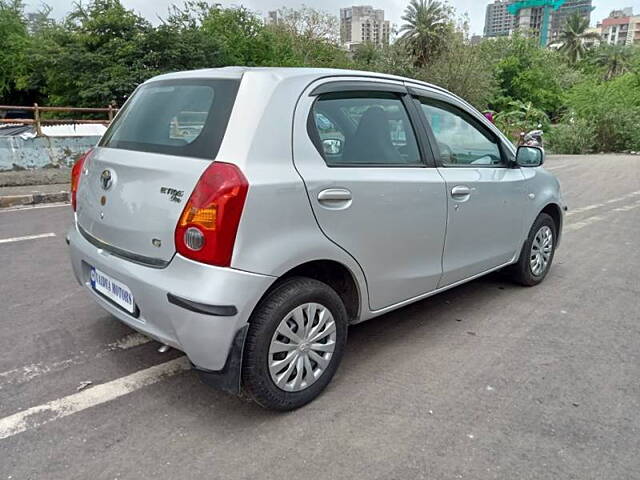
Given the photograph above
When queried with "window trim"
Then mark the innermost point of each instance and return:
(357, 86)
(363, 88)
(416, 95)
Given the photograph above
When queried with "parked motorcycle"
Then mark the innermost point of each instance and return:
(533, 138)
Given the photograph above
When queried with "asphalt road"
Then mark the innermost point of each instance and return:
(489, 380)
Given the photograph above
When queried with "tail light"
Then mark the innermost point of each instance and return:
(76, 173)
(206, 231)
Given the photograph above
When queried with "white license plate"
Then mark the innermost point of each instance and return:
(114, 290)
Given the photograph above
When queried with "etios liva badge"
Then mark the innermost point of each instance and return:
(174, 195)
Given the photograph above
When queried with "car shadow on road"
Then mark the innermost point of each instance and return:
(423, 324)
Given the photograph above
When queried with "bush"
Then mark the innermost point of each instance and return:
(572, 137)
(520, 117)
(617, 129)
(612, 109)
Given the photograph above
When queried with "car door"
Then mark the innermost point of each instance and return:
(485, 192)
(373, 188)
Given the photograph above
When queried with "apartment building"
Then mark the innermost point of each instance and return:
(530, 19)
(622, 27)
(498, 21)
(272, 18)
(363, 24)
(559, 17)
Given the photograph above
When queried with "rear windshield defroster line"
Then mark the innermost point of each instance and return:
(181, 117)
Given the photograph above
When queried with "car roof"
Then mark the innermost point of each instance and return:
(286, 72)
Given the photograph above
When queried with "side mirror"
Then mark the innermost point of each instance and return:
(332, 146)
(530, 156)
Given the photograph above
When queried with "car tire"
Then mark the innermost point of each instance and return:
(295, 308)
(529, 271)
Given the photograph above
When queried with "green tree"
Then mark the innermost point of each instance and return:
(310, 23)
(528, 73)
(614, 59)
(520, 117)
(367, 55)
(611, 108)
(572, 38)
(94, 57)
(428, 24)
(302, 37)
(13, 45)
(391, 59)
(462, 69)
(237, 31)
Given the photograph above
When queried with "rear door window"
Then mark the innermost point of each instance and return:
(363, 129)
(175, 117)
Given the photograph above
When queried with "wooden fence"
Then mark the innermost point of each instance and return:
(38, 121)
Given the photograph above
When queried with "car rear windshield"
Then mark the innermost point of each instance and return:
(175, 117)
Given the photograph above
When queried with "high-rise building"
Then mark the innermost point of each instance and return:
(273, 17)
(498, 21)
(559, 17)
(530, 19)
(363, 24)
(621, 28)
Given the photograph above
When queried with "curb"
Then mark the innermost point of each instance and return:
(35, 198)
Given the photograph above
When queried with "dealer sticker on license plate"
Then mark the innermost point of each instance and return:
(114, 290)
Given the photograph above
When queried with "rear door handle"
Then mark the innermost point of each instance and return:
(335, 198)
(460, 191)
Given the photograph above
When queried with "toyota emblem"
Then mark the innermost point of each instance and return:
(106, 179)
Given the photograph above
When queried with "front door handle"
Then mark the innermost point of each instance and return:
(335, 198)
(460, 191)
(334, 195)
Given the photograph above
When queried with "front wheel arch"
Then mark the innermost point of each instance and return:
(555, 212)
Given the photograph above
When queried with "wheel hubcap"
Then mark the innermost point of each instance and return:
(302, 347)
(541, 251)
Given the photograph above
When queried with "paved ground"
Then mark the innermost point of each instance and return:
(42, 176)
(30, 189)
(486, 381)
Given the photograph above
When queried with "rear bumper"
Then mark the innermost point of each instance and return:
(201, 332)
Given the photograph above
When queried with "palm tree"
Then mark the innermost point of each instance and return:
(425, 28)
(615, 58)
(573, 37)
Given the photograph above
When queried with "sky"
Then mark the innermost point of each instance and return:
(151, 9)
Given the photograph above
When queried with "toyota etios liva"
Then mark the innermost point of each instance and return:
(248, 216)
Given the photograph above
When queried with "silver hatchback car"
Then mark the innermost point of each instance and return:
(248, 216)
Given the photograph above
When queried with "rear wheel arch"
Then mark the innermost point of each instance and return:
(334, 274)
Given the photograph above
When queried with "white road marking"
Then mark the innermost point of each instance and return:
(626, 208)
(27, 237)
(584, 223)
(35, 417)
(34, 207)
(18, 376)
(572, 227)
(579, 210)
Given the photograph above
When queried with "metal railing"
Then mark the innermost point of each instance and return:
(38, 121)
